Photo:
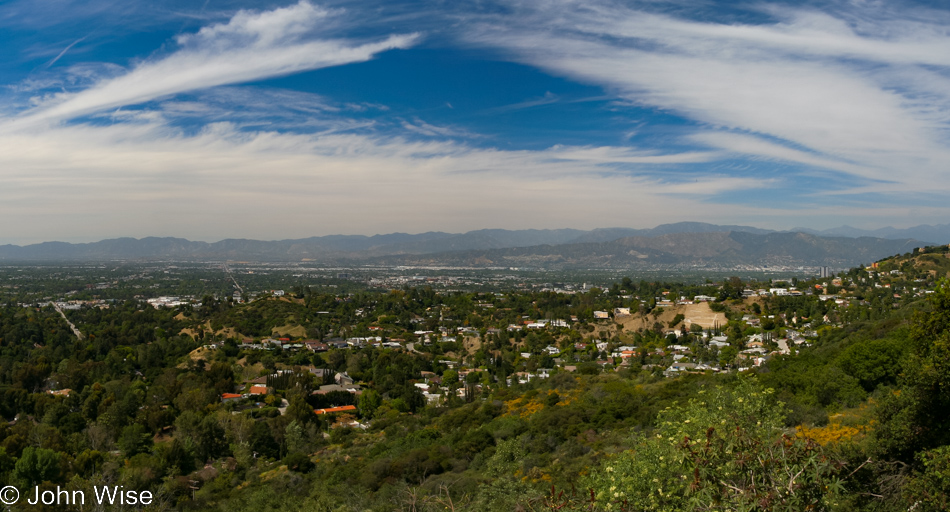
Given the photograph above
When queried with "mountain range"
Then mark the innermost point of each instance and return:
(682, 243)
(711, 250)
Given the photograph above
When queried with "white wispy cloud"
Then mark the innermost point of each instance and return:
(795, 33)
(257, 108)
(746, 145)
(619, 155)
(430, 130)
(851, 90)
(250, 46)
(60, 54)
(149, 177)
(547, 99)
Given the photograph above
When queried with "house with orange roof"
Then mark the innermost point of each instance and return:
(332, 410)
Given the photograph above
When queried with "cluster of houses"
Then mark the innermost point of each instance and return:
(75, 304)
(677, 359)
(170, 301)
(256, 390)
(625, 356)
(318, 346)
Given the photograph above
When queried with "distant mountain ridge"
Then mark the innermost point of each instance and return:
(935, 235)
(697, 250)
(677, 242)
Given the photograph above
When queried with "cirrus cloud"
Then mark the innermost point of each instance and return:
(852, 90)
(250, 46)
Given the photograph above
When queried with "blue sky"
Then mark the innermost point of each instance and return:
(272, 120)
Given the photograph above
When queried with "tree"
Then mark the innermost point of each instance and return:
(731, 289)
(927, 489)
(135, 439)
(450, 377)
(676, 320)
(38, 465)
(298, 409)
(918, 417)
(295, 438)
(368, 402)
(203, 435)
(262, 441)
(727, 355)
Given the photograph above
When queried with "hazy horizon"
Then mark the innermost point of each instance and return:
(272, 239)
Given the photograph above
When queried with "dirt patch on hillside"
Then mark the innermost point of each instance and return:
(297, 331)
(472, 344)
(197, 354)
(253, 371)
(227, 332)
(230, 332)
(694, 314)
